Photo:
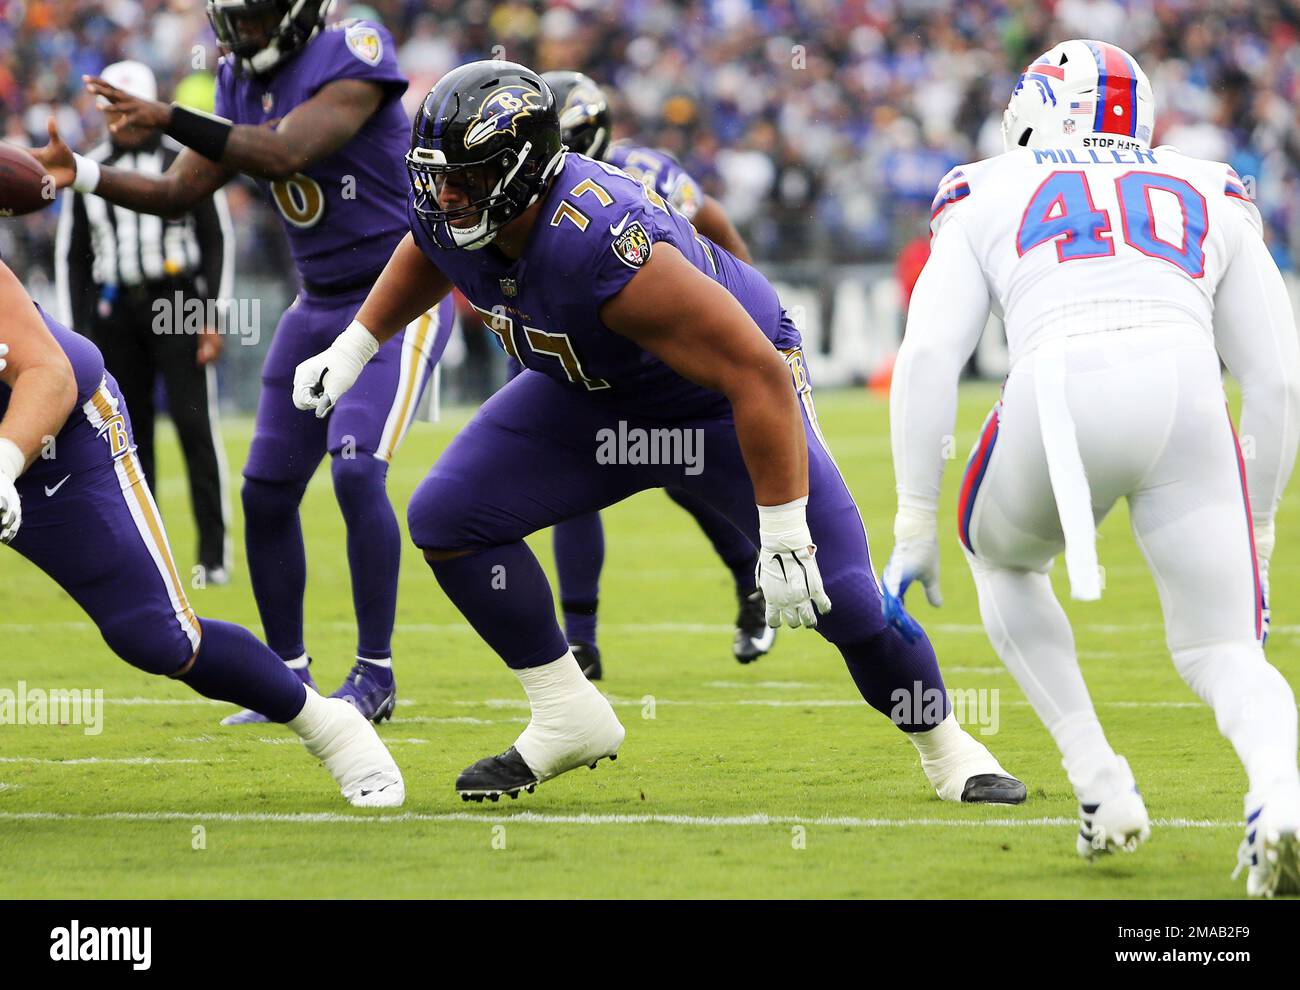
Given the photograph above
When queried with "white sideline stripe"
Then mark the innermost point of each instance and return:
(796, 703)
(540, 818)
(295, 741)
(126, 760)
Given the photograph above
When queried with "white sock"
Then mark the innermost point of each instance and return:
(298, 664)
(314, 714)
(386, 663)
(935, 744)
(1253, 705)
(567, 711)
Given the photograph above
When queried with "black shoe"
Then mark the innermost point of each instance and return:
(993, 788)
(493, 776)
(588, 658)
(754, 636)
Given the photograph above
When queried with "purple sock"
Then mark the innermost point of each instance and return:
(233, 665)
(579, 556)
(729, 543)
(899, 679)
(503, 593)
(277, 561)
(374, 549)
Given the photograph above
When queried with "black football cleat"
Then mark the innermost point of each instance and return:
(588, 657)
(493, 776)
(993, 788)
(754, 637)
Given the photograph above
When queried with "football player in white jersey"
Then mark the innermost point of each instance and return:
(1119, 270)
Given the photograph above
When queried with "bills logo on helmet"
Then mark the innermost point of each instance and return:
(364, 42)
(500, 112)
(633, 245)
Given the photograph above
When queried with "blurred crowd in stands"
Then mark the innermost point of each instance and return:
(822, 125)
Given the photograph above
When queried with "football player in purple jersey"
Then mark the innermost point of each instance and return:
(314, 114)
(634, 328)
(586, 124)
(73, 501)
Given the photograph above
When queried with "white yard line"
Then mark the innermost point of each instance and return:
(542, 818)
(125, 760)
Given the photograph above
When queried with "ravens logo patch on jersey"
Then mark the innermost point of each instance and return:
(632, 246)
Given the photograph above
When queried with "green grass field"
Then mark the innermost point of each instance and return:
(771, 780)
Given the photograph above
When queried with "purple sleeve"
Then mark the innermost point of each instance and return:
(356, 50)
(618, 251)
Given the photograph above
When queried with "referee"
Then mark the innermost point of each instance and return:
(118, 271)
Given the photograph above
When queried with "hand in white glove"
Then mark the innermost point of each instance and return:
(320, 381)
(12, 463)
(915, 558)
(1265, 537)
(787, 566)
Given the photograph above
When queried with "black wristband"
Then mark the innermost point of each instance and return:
(203, 132)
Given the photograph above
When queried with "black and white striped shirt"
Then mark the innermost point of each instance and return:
(100, 244)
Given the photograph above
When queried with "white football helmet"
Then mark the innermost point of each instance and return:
(1077, 91)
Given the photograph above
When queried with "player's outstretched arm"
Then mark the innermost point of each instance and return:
(409, 285)
(43, 392)
(702, 332)
(313, 130)
(190, 179)
(949, 308)
(712, 221)
(1255, 331)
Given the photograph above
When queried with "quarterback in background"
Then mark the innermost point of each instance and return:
(1123, 274)
(627, 319)
(314, 114)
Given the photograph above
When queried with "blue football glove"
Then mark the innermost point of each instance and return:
(915, 558)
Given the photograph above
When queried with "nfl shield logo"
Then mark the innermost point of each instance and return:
(509, 288)
(1068, 125)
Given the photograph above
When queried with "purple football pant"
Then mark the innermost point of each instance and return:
(579, 546)
(91, 524)
(529, 459)
(361, 434)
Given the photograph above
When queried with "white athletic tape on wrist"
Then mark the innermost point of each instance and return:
(87, 178)
(12, 461)
(784, 527)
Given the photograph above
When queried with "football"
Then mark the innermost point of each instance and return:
(24, 185)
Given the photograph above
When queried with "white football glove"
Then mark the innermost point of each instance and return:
(1265, 537)
(12, 463)
(4, 349)
(787, 566)
(915, 558)
(320, 381)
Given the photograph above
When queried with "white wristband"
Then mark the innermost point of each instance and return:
(87, 179)
(915, 524)
(784, 527)
(357, 341)
(12, 461)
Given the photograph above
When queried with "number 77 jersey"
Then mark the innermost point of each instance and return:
(1079, 240)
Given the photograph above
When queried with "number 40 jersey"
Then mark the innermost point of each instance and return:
(1081, 240)
(345, 214)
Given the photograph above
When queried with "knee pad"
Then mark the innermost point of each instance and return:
(437, 515)
(271, 500)
(140, 645)
(358, 481)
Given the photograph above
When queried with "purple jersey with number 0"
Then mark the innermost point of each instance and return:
(344, 214)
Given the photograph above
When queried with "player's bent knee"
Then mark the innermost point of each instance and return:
(140, 645)
(271, 499)
(358, 479)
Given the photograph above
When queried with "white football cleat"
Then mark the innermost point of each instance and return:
(961, 768)
(348, 745)
(1271, 849)
(1117, 821)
